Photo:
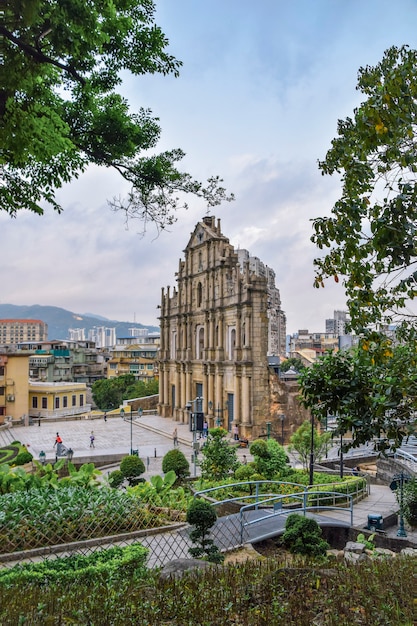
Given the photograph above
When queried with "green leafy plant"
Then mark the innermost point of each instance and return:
(112, 564)
(410, 501)
(159, 491)
(132, 467)
(116, 479)
(174, 460)
(300, 443)
(202, 516)
(367, 541)
(219, 458)
(303, 536)
(270, 457)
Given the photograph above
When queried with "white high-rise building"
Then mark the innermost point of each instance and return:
(102, 336)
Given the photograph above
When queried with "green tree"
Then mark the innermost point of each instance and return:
(372, 390)
(293, 362)
(132, 467)
(370, 235)
(174, 460)
(202, 516)
(219, 457)
(60, 111)
(109, 393)
(270, 457)
(300, 442)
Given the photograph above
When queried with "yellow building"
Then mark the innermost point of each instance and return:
(57, 399)
(14, 386)
(137, 359)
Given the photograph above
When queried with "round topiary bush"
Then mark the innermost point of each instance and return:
(132, 467)
(115, 479)
(175, 460)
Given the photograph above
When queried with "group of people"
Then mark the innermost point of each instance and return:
(60, 448)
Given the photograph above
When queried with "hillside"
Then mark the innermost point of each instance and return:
(60, 320)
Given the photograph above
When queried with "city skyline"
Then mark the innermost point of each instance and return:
(257, 102)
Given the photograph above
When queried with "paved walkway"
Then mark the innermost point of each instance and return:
(152, 437)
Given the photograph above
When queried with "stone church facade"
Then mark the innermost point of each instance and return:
(215, 336)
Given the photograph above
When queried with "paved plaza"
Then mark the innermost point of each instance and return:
(152, 436)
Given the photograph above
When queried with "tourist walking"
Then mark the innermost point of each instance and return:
(175, 437)
(58, 444)
(236, 432)
(92, 438)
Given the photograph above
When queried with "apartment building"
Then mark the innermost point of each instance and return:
(13, 331)
(14, 386)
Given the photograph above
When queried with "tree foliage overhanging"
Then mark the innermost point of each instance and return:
(372, 390)
(370, 237)
(60, 112)
(370, 241)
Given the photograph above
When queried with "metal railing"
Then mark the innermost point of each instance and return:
(303, 498)
(406, 458)
(277, 502)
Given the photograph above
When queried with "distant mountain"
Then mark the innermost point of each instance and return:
(60, 320)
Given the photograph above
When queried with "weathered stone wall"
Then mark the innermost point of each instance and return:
(387, 467)
(283, 400)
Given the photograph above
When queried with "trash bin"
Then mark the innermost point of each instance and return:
(375, 522)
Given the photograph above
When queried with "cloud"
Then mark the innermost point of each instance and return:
(257, 101)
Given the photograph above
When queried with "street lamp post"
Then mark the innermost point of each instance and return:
(193, 416)
(341, 455)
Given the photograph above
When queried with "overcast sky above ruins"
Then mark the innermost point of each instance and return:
(257, 102)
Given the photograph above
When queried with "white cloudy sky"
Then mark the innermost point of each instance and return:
(257, 102)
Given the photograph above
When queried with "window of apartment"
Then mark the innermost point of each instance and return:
(149, 366)
(34, 402)
(2, 370)
(2, 389)
(113, 366)
(44, 402)
(81, 399)
(65, 402)
(57, 403)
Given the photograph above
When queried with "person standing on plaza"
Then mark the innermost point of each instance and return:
(236, 432)
(92, 438)
(175, 437)
(58, 444)
(205, 429)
